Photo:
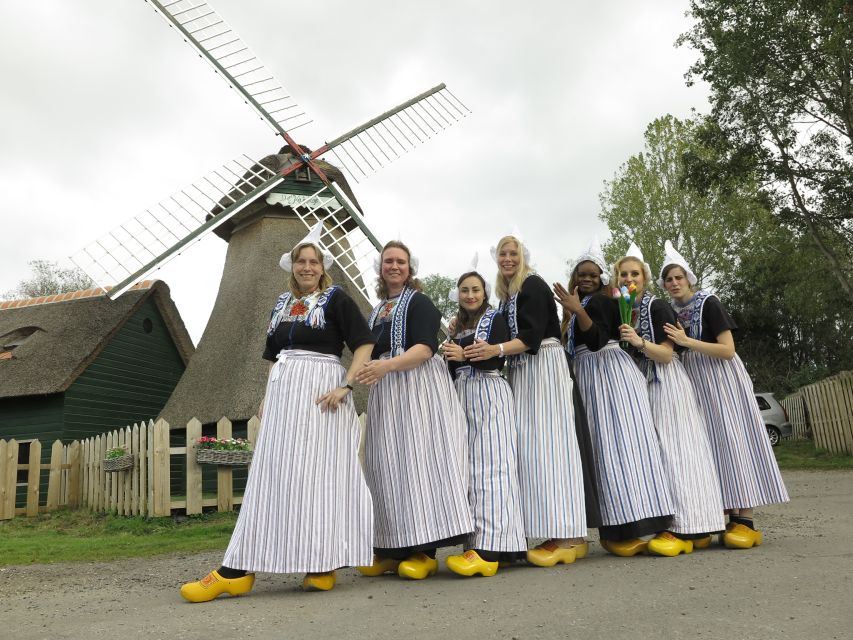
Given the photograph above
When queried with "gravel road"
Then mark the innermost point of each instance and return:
(799, 584)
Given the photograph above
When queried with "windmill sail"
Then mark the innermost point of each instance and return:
(139, 246)
(208, 33)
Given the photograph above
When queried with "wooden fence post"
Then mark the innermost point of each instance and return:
(194, 489)
(75, 488)
(162, 498)
(224, 473)
(33, 477)
(54, 481)
(8, 478)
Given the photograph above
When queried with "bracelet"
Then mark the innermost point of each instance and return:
(643, 346)
(501, 348)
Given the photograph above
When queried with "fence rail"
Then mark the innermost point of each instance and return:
(826, 409)
(76, 476)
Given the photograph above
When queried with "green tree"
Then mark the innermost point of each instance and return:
(48, 278)
(648, 201)
(793, 321)
(437, 287)
(781, 79)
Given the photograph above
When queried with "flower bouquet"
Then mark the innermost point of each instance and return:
(117, 459)
(626, 295)
(225, 451)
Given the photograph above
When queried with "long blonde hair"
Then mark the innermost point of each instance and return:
(325, 278)
(505, 289)
(411, 281)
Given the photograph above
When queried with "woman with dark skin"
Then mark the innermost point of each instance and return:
(633, 491)
(746, 467)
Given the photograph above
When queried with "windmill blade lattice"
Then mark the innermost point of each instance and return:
(380, 141)
(353, 246)
(144, 243)
(208, 33)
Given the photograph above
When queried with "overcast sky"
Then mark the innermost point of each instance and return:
(105, 112)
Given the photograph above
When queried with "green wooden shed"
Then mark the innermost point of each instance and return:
(78, 364)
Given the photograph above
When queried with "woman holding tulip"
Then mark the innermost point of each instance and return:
(633, 490)
(685, 450)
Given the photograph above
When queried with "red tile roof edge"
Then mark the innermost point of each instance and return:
(71, 295)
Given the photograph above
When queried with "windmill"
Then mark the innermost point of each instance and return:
(260, 207)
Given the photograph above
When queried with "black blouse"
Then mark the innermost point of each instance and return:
(422, 324)
(344, 324)
(662, 314)
(536, 313)
(604, 313)
(499, 333)
(715, 320)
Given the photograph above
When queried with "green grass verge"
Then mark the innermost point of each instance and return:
(67, 536)
(801, 454)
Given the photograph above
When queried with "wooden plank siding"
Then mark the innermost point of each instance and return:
(130, 379)
(31, 418)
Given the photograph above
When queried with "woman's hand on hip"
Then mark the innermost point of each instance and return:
(332, 400)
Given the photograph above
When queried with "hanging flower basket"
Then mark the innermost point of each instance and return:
(231, 451)
(216, 456)
(111, 465)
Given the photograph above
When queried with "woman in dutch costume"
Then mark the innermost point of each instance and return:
(633, 489)
(306, 507)
(549, 467)
(745, 464)
(492, 439)
(415, 453)
(685, 449)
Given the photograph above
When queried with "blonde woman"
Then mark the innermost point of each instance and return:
(306, 507)
(549, 465)
(685, 450)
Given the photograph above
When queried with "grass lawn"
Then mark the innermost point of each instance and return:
(801, 454)
(79, 535)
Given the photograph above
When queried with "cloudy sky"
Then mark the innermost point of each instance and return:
(105, 112)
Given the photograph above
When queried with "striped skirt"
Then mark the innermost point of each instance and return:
(549, 468)
(306, 507)
(632, 484)
(416, 458)
(746, 466)
(686, 453)
(492, 449)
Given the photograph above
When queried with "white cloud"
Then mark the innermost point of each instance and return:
(106, 112)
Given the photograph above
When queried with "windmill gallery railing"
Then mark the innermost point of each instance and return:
(76, 476)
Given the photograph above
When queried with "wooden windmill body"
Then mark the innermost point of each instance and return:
(261, 208)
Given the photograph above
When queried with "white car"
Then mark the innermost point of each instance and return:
(775, 418)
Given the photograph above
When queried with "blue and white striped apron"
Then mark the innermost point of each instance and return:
(746, 467)
(628, 467)
(685, 450)
(549, 469)
(306, 507)
(416, 457)
(493, 490)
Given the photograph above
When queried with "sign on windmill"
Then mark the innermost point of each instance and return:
(261, 208)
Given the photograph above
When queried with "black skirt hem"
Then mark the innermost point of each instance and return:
(630, 530)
